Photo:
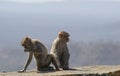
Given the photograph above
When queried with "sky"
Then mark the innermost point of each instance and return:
(31, 1)
(84, 20)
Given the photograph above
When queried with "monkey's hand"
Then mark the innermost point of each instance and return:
(21, 71)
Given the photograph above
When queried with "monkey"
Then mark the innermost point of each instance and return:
(37, 49)
(60, 50)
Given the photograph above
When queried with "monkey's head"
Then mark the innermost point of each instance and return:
(27, 44)
(64, 36)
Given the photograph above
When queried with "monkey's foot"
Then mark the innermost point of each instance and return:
(46, 69)
(68, 69)
(21, 71)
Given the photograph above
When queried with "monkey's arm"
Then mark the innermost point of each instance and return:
(28, 62)
(57, 55)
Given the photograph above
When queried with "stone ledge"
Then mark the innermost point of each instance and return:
(98, 70)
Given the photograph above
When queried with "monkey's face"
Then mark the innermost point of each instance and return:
(27, 44)
(64, 36)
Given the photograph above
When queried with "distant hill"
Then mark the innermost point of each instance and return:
(81, 54)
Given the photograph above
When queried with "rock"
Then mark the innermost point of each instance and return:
(103, 70)
(116, 73)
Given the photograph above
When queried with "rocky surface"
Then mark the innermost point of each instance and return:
(103, 70)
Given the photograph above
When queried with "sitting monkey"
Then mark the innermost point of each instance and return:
(60, 50)
(36, 48)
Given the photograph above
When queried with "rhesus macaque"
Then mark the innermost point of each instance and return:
(36, 48)
(60, 50)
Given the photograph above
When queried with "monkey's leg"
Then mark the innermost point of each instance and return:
(46, 64)
(40, 62)
(65, 60)
(54, 62)
(50, 59)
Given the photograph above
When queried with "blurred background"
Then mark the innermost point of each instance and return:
(94, 27)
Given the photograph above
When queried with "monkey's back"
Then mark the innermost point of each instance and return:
(39, 47)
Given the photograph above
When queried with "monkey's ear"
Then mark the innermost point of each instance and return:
(27, 38)
(60, 34)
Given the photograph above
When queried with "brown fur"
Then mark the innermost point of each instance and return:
(60, 50)
(36, 48)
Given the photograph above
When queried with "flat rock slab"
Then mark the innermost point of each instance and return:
(98, 69)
